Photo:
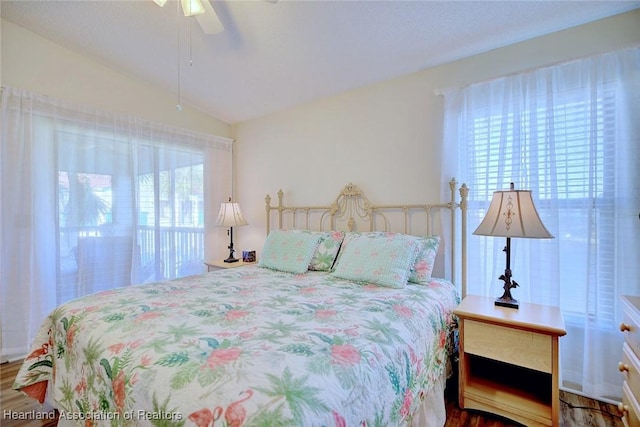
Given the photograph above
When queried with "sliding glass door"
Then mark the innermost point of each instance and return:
(127, 214)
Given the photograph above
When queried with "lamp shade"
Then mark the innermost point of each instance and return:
(230, 215)
(513, 214)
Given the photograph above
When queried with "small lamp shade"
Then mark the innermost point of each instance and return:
(513, 214)
(230, 215)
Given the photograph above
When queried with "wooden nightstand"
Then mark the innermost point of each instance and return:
(509, 360)
(220, 264)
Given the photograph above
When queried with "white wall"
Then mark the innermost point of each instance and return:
(38, 65)
(386, 137)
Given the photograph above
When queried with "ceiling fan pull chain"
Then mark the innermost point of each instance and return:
(190, 44)
(179, 105)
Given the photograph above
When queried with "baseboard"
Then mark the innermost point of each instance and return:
(11, 357)
(601, 399)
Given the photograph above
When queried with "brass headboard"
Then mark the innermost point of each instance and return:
(351, 209)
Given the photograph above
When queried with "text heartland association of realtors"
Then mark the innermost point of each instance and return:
(99, 415)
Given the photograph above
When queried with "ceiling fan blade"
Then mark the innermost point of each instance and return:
(209, 20)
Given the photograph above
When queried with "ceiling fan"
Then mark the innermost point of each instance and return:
(203, 12)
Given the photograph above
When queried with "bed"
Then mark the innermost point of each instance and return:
(338, 324)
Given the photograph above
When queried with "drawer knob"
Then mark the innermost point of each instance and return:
(624, 327)
(622, 367)
(623, 408)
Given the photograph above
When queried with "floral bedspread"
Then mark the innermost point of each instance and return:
(243, 347)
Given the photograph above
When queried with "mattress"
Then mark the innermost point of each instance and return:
(244, 346)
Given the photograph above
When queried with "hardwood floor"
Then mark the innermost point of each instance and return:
(15, 405)
(576, 411)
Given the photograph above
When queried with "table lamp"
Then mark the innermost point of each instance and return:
(230, 216)
(511, 214)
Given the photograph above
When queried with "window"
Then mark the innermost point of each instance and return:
(565, 154)
(569, 133)
(84, 199)
(171, 237)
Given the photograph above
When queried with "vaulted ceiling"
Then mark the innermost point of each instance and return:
(273, 55)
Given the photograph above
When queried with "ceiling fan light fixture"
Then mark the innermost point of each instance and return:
(191, 7)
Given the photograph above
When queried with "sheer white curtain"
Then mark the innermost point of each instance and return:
(92, 200)
(571, 134)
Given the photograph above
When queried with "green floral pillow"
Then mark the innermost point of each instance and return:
(384, 259)
(423, 267)
(327, 250)
(289, 251)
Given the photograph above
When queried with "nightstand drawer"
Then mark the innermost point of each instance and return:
(518, 347)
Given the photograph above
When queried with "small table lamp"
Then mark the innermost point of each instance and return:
(230, 216)
(511, 214)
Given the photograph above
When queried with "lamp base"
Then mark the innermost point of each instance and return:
(231, 258)
(506, 302)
